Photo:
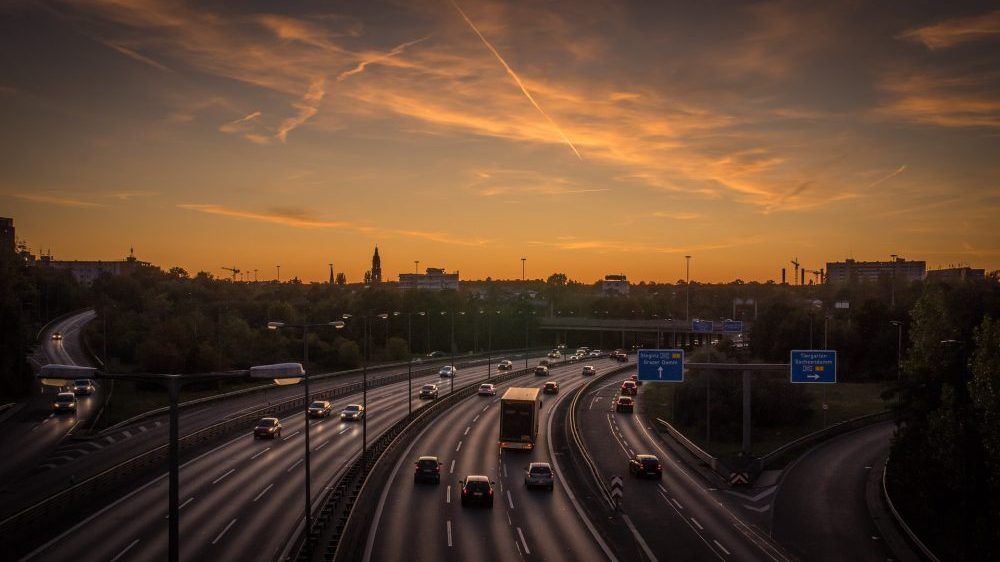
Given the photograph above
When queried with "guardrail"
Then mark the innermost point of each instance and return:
(914, 539)
(33, 524)
(701, 454)
(810, 439)
(59, 318)
(341, 526)
(577, 440)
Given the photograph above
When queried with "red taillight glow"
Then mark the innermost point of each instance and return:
(491, 491)
(658, 467)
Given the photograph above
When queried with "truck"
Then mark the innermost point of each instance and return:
(519, 408)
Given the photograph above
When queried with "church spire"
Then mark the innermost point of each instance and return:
(376, 272)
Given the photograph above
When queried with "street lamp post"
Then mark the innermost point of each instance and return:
(522, 268)
(409, 363)
(899, 347)
(687, 290)
(305, 414)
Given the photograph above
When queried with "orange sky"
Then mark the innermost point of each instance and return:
(588, 137)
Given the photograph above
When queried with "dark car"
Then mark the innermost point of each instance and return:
(429, 391)
(620, 355)
(57, 336)
(551, 387)
(64, 402)
(428, 469)
(541, 370)
(267, 428)
(83, 387)
(436, 354)
(645, 465)
(538, 474)
(320, 409)
(624, 404)
(477, 489)
(353, 412)
(629, 387)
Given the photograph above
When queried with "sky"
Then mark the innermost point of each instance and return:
(588, 137)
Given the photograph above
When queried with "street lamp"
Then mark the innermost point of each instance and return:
(899, 347)
(687, 290)
(364, 378)
(280, 376)
(409, 353)
(451, 344)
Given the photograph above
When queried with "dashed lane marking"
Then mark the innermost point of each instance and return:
(718, 544)
(260, 453)
(124, 550)
(264, 491)
(524, 542)
(224, 531)
(219, 479)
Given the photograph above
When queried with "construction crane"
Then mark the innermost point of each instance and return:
(795, 262)
(234, 270)
(818, 273)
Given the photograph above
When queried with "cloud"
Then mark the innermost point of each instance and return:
(54, 199)
(496, 182)
(129, 195)
(513, 75)
(967, 100)
(296, 218)
(239, 125)
(376, 58)
(956, 31)
(677, 215)
(136, 56)
(892, 174)
(307, 107)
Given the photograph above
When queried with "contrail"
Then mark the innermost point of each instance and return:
(898, 171)
(395, 51)
(510, 71)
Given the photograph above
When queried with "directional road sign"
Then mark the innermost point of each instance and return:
(702, 325)
(662, 365)
(814, 366)
(732, 326)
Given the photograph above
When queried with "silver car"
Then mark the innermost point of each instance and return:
(539, 475)
(353, 412)
(447, 371)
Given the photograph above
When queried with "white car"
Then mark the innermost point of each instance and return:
(554, 354)
(505, 365)
(447, 371)
(353, 412)
(589, 370)
(595, 353)
(83, 387)
(487, 389)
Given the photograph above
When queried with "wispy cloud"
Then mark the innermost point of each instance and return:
(129, 195)
(943, 100)
(136, 56)
(956, 31)
(677, 215)
(888, 176)
(297, 218)
(513, 75)
(239, 125)
(307, 107)
(54, 199)
(379, 58)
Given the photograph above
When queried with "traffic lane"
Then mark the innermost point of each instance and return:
(465, 441)
(820, 511)
(660, 517)
(220, 487)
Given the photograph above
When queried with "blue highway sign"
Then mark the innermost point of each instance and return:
(702, 325)
(814, 366)
(662, 365)
(732, 326)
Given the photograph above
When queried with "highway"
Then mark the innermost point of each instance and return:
(240, 500)
(678, 518)
(34, 431)
(427, 521)
(820, 512)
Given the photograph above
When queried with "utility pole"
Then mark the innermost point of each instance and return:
(687, 290)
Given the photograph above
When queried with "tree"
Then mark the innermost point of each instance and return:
(349, 355)
(341, 279)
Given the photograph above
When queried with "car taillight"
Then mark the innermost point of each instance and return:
(491, 491)
(464, 491)
(658, 467)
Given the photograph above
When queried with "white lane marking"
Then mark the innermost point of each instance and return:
(216, 481)
(757, 509)
(447, 498)
(662, 489)
(224, 531)
(109, 439)
(718, 544)
(126, 549)
(638, 537)
(157, 424)
(756, 498)
(143, 429)
(518, 545)
(509, 522)
(343, 431)
(297, 463)
(486, 407)
(260, 453)
(459, 446)
(475, 419)
(180, 507)
(264, 491)
(677, 503)
(510, 501)
(321, 445)
(449, 532)
(505, 470)
(697, 524)
(452, 470)
(524, 542)
(467, 431)
(293, 434)
(127, 433)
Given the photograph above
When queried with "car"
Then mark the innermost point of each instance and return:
(545, 363)
(625, 405)
(635, 379)
(645, 465)
(83, 387)
(267, 428)
(538, 474)
(505, 365)
(589, 370)
(561, 346)
(629, 387)
(620, 355)
(57, 336)
(582, 350)
(541, 371)
(435, 354)
(428, 469)
(594, 353)
(64, 402)
(551, 387)
(320, 409)
(554, 354)
(447, 371)
(429, 391)
(487, 389)
(353, 412)
(477, 489)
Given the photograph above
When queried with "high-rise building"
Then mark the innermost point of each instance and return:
(88, 271)
(615, 285)
(955, 274)
(870, 271)
(376, 271)
(435, 279)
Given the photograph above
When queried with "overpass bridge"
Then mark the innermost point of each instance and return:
(630, 332)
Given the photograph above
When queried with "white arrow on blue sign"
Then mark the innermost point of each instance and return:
(661, 365)
(814, 366)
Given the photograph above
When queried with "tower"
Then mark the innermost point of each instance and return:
(376, 274)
